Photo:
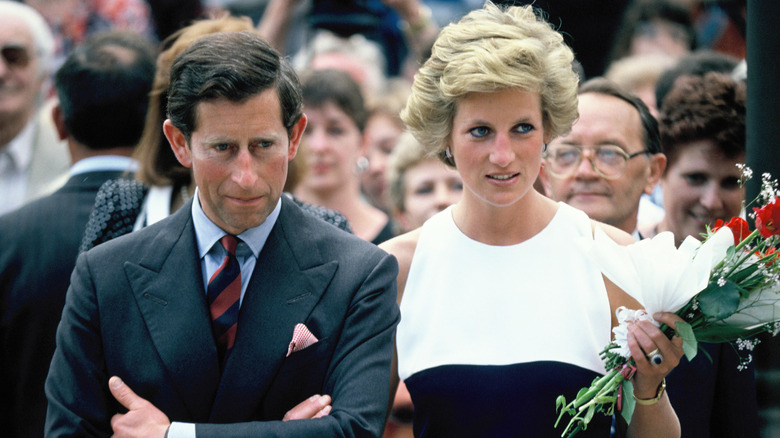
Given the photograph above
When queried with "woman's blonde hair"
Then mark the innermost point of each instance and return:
(492, 49)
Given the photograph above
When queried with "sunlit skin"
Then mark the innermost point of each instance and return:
(239, 154)
(497, 140)
(497, 145)
(429, 187)
(700, 187)
(381, 135)
(19, 86)
(607, 120)
(332, 142)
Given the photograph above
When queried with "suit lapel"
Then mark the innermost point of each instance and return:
(287, 282)
(168, 288)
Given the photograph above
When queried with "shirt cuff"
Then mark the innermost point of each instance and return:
(181, 430)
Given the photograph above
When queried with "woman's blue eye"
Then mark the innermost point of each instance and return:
(525, 128)
(479, 131)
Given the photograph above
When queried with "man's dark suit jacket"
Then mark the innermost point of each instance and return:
(39, 244)
(137, 309)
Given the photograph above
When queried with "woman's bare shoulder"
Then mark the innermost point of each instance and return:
(614, 233)
(402, 248)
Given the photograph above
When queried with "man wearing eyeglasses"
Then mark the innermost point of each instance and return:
(31, 156)
(609, 159)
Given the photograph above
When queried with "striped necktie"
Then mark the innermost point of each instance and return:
(224, 291)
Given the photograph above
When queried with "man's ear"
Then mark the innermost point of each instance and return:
(296, 133)
(657, 167)
(178, 143)
(59, 121)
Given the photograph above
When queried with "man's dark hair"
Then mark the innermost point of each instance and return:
(234, 66)
(103, 89)
(650, 135)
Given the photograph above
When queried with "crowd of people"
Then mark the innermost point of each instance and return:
(292, 218)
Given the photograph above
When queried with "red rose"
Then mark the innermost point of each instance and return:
(737, 225)
(768, 218)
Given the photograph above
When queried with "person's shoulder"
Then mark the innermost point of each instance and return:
(311, 231)
(402, 246)
(614, 233)
(156, 238)
(328, 215)
(31, 214)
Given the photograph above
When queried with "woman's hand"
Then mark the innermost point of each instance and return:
(646, 340)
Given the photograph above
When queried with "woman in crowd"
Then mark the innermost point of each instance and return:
(501, 310)
(702, 126)
(419, 185)
(383, 128)
(332, 144)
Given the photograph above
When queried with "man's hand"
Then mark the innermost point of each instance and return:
(142, 418)
(315, 406)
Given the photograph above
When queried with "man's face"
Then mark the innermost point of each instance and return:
(606, 120)
(20, 77)
(238, 154)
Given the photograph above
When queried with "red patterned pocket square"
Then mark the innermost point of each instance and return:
(301, 339)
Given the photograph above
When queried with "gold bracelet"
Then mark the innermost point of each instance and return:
(654, 400)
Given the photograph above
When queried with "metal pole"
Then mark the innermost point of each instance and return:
(763, 155)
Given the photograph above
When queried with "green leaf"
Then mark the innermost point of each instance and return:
(741, 275)
(690, 344)
(719, 302)
(628, 401)
(560, 402)
(588, 416)
(716, 333)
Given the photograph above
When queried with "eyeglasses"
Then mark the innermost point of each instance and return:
(608, 161)
(15, 56)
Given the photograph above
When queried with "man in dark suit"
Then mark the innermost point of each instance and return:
(313, 339)
(102, 89)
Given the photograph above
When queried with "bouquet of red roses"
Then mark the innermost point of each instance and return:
(725, 288)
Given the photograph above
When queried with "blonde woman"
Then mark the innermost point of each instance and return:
(501, 312)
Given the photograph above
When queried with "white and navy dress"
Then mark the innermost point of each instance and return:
(491, 335)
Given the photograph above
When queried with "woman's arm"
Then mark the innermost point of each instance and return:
(653, 417)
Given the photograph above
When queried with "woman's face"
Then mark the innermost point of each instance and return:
(381, 135)
(700, 187)
(332, 144)
(497, 140)
(429, 187)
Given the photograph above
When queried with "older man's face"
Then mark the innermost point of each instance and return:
(606, 120)
(20, 76)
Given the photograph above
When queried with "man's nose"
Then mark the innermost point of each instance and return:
(244, 174)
